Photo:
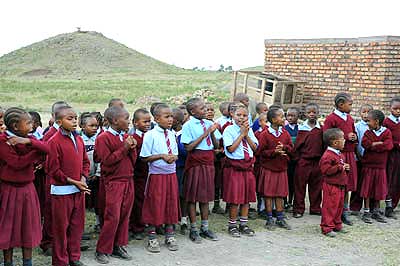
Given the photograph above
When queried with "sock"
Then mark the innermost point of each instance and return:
(243, 220)
(232, 223)
(269, 215)
(193, 226)
(183, 220)
(366, 210)
(151, 233)
(279, 216)
(169, 231)
(346, 207)
(27, 262)
(204, 225)
(389, 203)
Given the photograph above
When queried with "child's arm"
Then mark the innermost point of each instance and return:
(14, 160)
(265, 148)
(330, 167)
(191, 146)
(386, 144)
(103, 154)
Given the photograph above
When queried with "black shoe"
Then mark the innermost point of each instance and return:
(346, 220)
(270, 225)
(315, 213)
(160, 231)
(283, 224)
(252, 215)
(76, 263)
(366, 218)
(246, 230)
(376, 215)
(184, 229)
(208, 234)
(234, 231)
(389, 213)
(217, 210)
(262, 215)
(297, 215)
(194, 236)
(97, 229)
(120, 253)
(86, 236)
(102, 258)
(84, 246)
(138, 236)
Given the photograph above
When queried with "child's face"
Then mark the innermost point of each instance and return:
(199, 110)
(395, 109)
(339, 143)
(346, 106)
(91, 126)
(292, 116)
(118, 103)
(121, 122)
(262, 121)
(185, 115)
(279, 119)
(240, 116)
(69, 121)
(364, 113)
(373, 124)
(2, 126)
(225, 111)
(143, 123)
(245, 101)
(312, 114)
(263, 109)
(210, 112)
(165, 118)
(24, 126)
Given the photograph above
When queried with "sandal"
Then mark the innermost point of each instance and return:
(234, 231)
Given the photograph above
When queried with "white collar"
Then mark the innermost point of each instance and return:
(334, 150)
(139, 132)
(292, 126)
(114, 132)
(306, 127)
(274, 132)
(341, 114)
(10, 134)
(86, 138)
(56, 126)
(379, 131)
(394, 119)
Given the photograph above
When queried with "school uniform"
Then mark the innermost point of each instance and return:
(334, 180)
(393, 167)
(161, 199)
(221, 121)
(308, 149)
(199, 168)
(117, 165)
(67, 159)
(141, 172)
(273, 180)
(239, 180)
(345, 122)
(293, 130)
(19, 204)
(374, 163)
(40, 175)
(180, 163)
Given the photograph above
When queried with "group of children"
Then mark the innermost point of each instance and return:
(152, 176)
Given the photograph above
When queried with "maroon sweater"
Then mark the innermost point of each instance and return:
(64, 160)
(332, 168)
(17, 162)
(334, 121)
(117, 162)
(395, 130)
(266, 150)
(309, 145)
(141, 167)
(376, 156)
(50, 133)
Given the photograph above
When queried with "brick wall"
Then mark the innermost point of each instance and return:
(367, 68)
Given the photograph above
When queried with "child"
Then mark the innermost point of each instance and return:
(292, 117)
(224, 118)
(116, 152)
(210, 111)
(262, 120)
(392, 122)
(260, 108)
(274, 149)
(142, 123)
(19, 204)
(161, 202)
(239, 181)
(116, 102)
(361, 126)
(334, 180)
(2, 125)
(342, 119)
(200, 137)
(244, 99)
(36, 125)
(309, 149)
(68, 166)
(89, 125)
(377, 142)
(186, 115)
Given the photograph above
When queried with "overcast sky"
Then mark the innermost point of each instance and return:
(202, 33)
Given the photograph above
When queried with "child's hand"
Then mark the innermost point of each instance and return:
(279, 149)
(130, 143)
(346, 167)
(377, 143)
(82, 186)
(352, 136)
(171, 158)
(18, 140)
(93, 177)
(212, 128)
(244, 129)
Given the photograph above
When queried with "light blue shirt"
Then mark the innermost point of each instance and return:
(155, 143)
(193, 129)
(250, 120)
(116, 133)
(56, 126)
(334, 150)
(306, 127)
(341, 114)
(274, 132)
(396, 120)
(361, 128)
(230, 135)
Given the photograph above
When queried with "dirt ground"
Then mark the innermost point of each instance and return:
(375, 244)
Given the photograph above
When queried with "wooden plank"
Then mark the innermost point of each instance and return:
(234, 89)
(262, 90)
(246, 76)
(274, 91)
(283, 93)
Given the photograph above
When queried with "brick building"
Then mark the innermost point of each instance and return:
(368, 68)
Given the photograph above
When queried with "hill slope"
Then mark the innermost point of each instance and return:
(78, 54)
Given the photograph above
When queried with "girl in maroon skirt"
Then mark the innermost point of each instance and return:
(200, 136)
(19, 204)
(274, 149)
(239, 180)
(377, 142)
(341, 118)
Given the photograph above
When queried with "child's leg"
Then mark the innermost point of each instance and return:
(204, 215)
(244, 213)
(233, 212)
(27, 256)
(8, 256)
(192, 215)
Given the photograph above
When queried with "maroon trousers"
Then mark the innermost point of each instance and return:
(307, 172)
(47, 230)
(332, 207)
(135, 224)
(68, 213)
(119, 203)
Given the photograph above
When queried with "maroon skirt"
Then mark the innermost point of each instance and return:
(349, 157)
(374, 184)
(19, 216)
(239, 184)
(199, 184)
(161, 200)
(273, 184)
(393, 172)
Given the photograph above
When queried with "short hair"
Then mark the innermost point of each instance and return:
(60, 112)
(223, 106)
(159, 108)
(233, 106)
(241, 107)
(262, 116)
(113, 112)
(57, 105)
(191, 103)
(13, 116)
(331, 135)
(378, 115)
(114, 100)
(315, 105)
(342, 97)
(140, 111)
(36, 117)
(259, 106)
(276, 106)
(273, 113)
(394, 99)
(240, 97)
(153, 107)
(293, 109)
(366, 105)
(84, 118)
(178, 114)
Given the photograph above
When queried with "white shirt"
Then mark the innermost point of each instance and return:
(379, 131)
(334, 150)
(230, 135)
(306, 127)
(274, 132)
(341, 114)
(396, 120)
(361, 127)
